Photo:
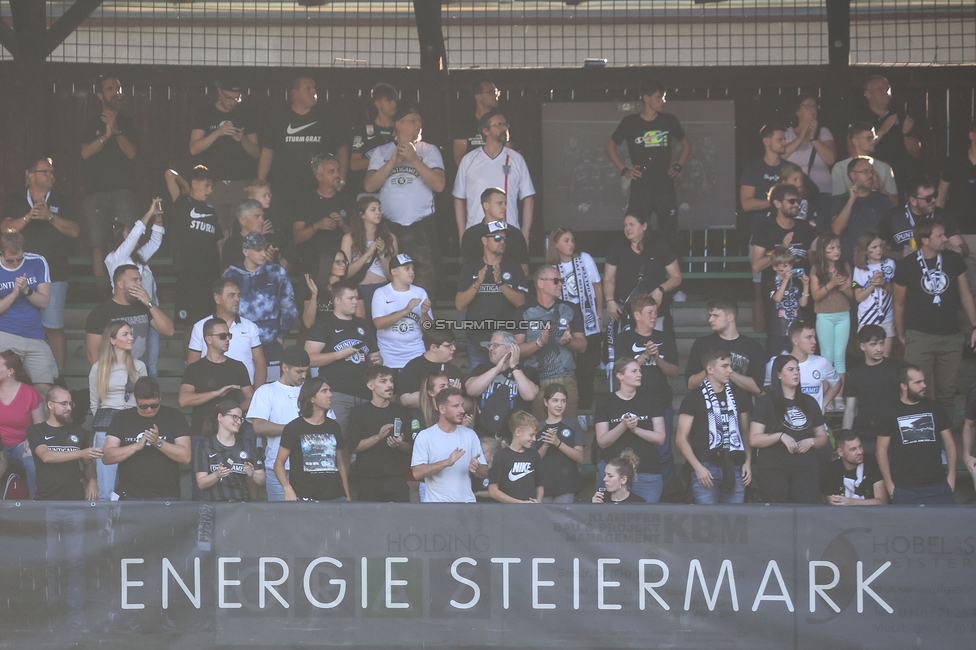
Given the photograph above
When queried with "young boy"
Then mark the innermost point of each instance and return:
(785, 292)
(513, 476)
(872, 388)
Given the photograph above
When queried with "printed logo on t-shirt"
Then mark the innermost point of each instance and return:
(916, 428)
(519, 470)
(653, 139)
(319, 453)
(795, 419)
(640, 418)
(934, 282)
(565, 433)
(357, 357)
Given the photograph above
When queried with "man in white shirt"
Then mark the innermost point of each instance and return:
(245, 341)
(399, 309)
(493, 165)
(448, 453)
(818, 378)
(276, 404)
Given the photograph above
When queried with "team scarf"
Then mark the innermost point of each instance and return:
(587, 297)
(851, 484)
(723, 428)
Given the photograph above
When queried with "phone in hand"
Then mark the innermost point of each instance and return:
(797, 273)
(397, 427)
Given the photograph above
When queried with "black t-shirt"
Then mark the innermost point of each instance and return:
(836, 479)
(650, 144)
(314, 458)
(466, 128)
(295, 140)
(365, 138)
(515, 248)
(411, 377)
(312, 208)
(205, 376)
(41, 237)
(896, 228)
(960, 173)
(769, 235)
(109, 169)
(348, 375)
(58, 481)
(653, 260)
(490, 303)
(195, 232)
(866, 214)
(560, 474)
(797, 423)
(226, 158)
(136, 315)
(500, 399)
(654, 383)
(631, 499)
(516, 473)
(922, 313)
(891, 146)
(761, 176)
(149, 473)
(915, 449)
(694, 405)
(747, 355)
(611, 409)
(211, 453)
(876, 390)
(380, 460)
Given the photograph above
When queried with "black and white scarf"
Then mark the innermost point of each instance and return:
(586, 295)
(723, 427)
(851, 483)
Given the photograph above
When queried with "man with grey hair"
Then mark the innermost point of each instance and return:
(250, 218)
(501, 386)
(322, 214)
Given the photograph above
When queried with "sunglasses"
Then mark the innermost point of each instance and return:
(495, 237)
(792, 201)
(554, 280)
(928, 197)
(224, 336)
(148, 407)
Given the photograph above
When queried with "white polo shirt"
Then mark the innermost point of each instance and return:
(478, 171)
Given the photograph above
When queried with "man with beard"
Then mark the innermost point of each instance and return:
(853, 478)
(782, 229)
(896, 226)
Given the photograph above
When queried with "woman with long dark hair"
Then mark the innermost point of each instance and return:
(560, 443)
(225, 463)
(810, 144)
(369, 245)
(332, 270)
(786, 425)
(20, 407)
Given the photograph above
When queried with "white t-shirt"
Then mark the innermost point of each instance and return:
(571, 292)
(404, 340)
(278, 404)
(880, 302)
(813, 373)
(451, 484)
(246, 338)
(405, 197)
(478, 171)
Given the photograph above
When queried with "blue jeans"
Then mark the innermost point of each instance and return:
(152, 353)
(931, 495)
(569, 497)
(105, 473)
(715, 494)
(17, 451)
(276, 492)
(648, 486)
(66, 528)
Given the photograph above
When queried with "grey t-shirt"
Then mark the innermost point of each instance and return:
(553, 360)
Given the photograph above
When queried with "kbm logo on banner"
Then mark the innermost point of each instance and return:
(428, 575)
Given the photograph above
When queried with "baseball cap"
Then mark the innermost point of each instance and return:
(254, 240)
(400, 260)
(492, 227)
(295, 357)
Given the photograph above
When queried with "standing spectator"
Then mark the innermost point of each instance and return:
(618, 479)
(929, 288)
(814, 206)
(196, 231)
(252, 216)
(554, 335)
(782, 228)
(624, 421)
(490, 288)
(786, 425)
(25, 290)
(398, 311)
(493, 165)
(267, 298)
(861, 209)
(374, 133)
(494, 201)
(711, 435)
(436, 358)
(282, 249)
(784, 293)
(135, 246)
(446, 453)
(225, 464)
(130, 302)
(871, 387)
(332, 270)
(245, 337)
(582, 287)
(831, 290)
(224, 139)
(560, 444)
(651, 136)
(47, 221)
(111, 383)
(873, 273)
(810, 145)
(898, 134)
(969, 432)
(381, 436)
(896, 226)
(321, 216)
(853, 478)
(108, 146)
(407, 173)
(148, 443)
(863, 141)
(957, 194)
(273, 406)
(467, 132)
(909, 449)
(369, 246)
(20, 407)
(514, 475)
(320, 450)
(501, 385)
(759, 176)
(818, 377)
(341, 345)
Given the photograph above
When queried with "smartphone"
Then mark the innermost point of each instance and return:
(797, 273)
(603, 489)
(158, 207)
(397, 427)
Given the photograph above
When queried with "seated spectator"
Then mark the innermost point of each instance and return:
(489, 447)
(245, 337)
(782, 228)
(712, 435)
(445, 453)
(560, 444)
(369, 246)
(871, 388)
(148, 443)
(818, 377)
(862, 139)
(321, 215)
(47, 220)
(861, 208)
(436, 358)
(625, 421)
(853, 478)
(786, 425)
(135, 246)
(130, 302)
(110, 388)
(784, 293)
(502, 385)
(810, 144)
(832, 293)
(514, 474)
(226, 464)
(814, 206)
(319, 448)
(25, 290)
(494, 201)
(381, 434)
(267, 298)
(618, 479)
(252, 216)
(872, 276)
(332, 271)
(398, 309)
(20, 407)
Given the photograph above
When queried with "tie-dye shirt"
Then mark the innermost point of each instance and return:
(267, 298)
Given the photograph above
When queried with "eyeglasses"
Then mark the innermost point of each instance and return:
(148, 407)
(342, 261)
(235, 418)
(492, 346)
(493, 91)
(64, 404)
(224, 336)
(504, 125)
(495, 237)
(864, 171)
(928, 197)
(553, 280)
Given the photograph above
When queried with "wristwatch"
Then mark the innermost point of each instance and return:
(159, 443)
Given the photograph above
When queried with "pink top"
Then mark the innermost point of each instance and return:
(15, 418)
